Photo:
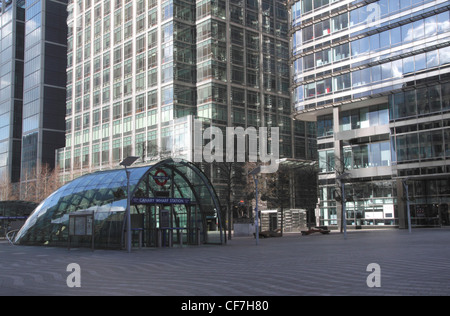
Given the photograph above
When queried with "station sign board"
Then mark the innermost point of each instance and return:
(152, 200)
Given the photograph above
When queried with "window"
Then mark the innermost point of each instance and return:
(152, 118)
(325, 126)
(341, 82)
(167, 33)
(128, 87)
(140, 103)
(339, 22)
(326, 161)
(105, 152)
(341, 52)
(117, 128)
(167, 73)
(237, 75)
(117, 150)
(140, 82)
(166, 113)
(167, 10)
(152, 99)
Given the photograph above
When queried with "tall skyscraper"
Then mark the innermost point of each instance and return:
(33, 82)
(44, 84)
(375, 76)
(12, 32)
(137, 69)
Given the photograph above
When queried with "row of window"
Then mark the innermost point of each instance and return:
(167, 97)
(422, 146)
(413, 103)
(419, 102)
(207, 94)
(375, 115)
(377, 9)
(140, 82)
(386, 71)
(424, 28)
(184, 96)
(118, 127)
(184, 34)
(115, 150)
(367, 190)
(357, 157)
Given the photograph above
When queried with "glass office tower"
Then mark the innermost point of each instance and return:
(137, 69)
(130, 81)
(374, 75)
(33, 81)
(44, 84)
(12, 31)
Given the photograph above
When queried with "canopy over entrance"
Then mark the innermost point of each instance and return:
(170, 201)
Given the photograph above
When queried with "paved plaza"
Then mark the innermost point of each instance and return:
(409, 264)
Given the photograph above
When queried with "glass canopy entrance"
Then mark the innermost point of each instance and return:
(172, 202)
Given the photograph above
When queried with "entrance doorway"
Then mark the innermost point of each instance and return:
(166, 225)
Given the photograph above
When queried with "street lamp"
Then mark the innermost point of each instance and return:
(341, 177)
(254, 173)
(126, 163)
(405, 186)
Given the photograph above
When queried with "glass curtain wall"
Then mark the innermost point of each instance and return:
(12, 33)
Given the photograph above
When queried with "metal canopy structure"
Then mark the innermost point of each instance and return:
(194, 219)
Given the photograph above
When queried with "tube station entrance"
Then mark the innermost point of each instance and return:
(171, 203)
(164, 222)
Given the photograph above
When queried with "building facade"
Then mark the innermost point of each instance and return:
(137, 69)
(44, 84)
(12, 31)
(374, 75)
(33, 81)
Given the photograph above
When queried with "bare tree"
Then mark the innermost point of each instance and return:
(49, 182)
(277, 190)
(37, 186)
(340, 167)
(8, 190)
(305, 185)
(232, 177)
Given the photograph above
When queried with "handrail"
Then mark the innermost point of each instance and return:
(11, 235)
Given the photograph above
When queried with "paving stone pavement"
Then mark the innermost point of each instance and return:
(410, 264)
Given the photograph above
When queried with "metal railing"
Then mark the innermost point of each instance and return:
(11, 235)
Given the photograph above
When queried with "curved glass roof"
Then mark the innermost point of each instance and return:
(104, 194)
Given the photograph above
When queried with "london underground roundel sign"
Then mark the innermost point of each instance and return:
(161, 177)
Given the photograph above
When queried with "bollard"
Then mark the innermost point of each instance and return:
(198, 236)
(159, 238)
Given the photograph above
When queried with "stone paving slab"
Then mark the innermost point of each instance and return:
(410, 264)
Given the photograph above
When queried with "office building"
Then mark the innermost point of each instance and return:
(137, 70)
(12, 31)
(374, 75)
(33, 81)
(44, 84)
